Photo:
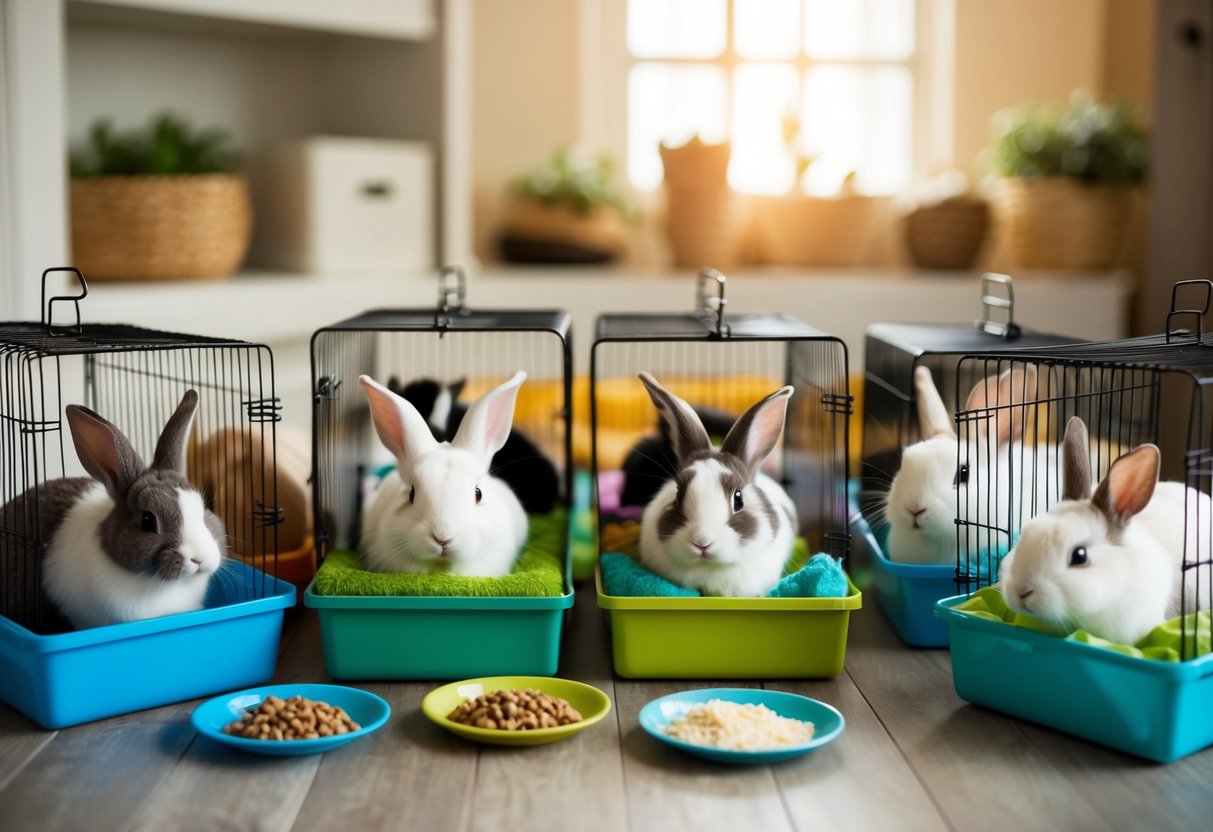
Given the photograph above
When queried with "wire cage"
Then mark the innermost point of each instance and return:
(1155, 389)
(721, 364)
(134, 378)
(907, 591)
(465, 353)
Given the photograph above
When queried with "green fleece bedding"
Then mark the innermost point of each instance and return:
(539, 572)
(1161, 644)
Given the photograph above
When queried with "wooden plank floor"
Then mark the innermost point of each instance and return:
(913, 756)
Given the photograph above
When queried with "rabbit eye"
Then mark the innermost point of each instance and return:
(479, 495)
(1078, 557)
(737, 500)
(412, 494)
(148, 522)
(962, 476)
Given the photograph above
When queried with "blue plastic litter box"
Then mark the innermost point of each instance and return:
(69, 678)
(1158, 710)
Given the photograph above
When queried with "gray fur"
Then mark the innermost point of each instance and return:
(1077, 473)
(687, 434)
(1125, 466)
(734, 443)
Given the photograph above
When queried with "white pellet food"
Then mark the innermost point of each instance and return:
(737, 727)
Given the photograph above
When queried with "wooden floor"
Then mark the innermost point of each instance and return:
(913, 756)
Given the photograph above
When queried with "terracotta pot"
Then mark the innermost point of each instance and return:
(813, 231)
(1059, 222)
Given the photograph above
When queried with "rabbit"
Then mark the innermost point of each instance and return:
(1109, 562)
(441, 510)
(520, 462)
(720, 526)
(131, 543)
(651, 461)
(922, 501)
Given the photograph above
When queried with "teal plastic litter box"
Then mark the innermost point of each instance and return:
(439, 637)
(1158, 710)
(69, 678)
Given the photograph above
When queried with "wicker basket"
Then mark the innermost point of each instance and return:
(1058, 222)
(705, 219)
(949, 234)
(160, 227)
(813, 231)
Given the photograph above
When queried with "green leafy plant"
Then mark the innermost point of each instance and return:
(571, 178)
(1096, 143)
(168, 146)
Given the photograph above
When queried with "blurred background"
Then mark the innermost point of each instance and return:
(262, 168)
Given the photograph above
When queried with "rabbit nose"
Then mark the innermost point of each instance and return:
(915, 512)
(703, 547)
(1023, 595)
(443, 542)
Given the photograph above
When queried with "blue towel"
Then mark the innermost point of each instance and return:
(821, 577)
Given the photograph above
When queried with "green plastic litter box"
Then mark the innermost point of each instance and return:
(728, 638)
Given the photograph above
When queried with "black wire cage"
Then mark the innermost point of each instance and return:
(136, 378)
(455, 353)
(1155, 389)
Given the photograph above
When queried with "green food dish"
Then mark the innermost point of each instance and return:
(589, 701)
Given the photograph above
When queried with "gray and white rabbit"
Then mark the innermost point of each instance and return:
(132, 542)
(1110, 562)
(720, 526)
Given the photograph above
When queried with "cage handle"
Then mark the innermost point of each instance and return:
(711, 305)
(1197, 314)
(991, 303)
(452, 294)
(48, 309)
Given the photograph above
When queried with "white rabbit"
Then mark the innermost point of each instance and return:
(441, 510)
(984, 473)
(1110, 563)
(131, 543)
(720, 526)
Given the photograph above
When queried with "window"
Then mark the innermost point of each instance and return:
(746, 70)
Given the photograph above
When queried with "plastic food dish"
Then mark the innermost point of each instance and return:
(827, 721)
(365, 708)
(588, 700)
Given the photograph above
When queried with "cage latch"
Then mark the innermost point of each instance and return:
(452, 296)
(838, 403)
(710, 305)
(264, 410)
(48, 309)
(326, 388)
(992, 304)
(1197, 315)
(264, 515)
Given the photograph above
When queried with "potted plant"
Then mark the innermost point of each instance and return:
(158, 203)
(1064, 190)
(798, 229)
(567, 210)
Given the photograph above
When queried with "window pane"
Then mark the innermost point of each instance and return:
(676, 28)
(766, 28)
(671, 104)
(763, 95)
(858, 119)
(859, 28)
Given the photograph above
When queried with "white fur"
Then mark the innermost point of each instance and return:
(1128, 587)
(92, 590)
(441, 411)
(733, 568)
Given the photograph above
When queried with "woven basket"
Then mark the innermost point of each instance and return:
(1058, 222)
(949, 234)
(160, 227)
(704, 227)
(813, 231)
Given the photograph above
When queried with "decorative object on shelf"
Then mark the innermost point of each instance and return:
(1064, 193)
(948, 225)
(567, 210)
(159, 203)
(705, 219)
(345, 204)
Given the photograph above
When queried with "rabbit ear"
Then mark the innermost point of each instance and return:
(686, 432)
(104, 451)
(1077, 485)
(456, 388)
(487, 423)
(933, 416)
(401, 429)
(1129, 485)
(999, 394)
(170, 448)
(758, 429)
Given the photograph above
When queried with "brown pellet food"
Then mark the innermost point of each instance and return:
(291, 719)
(515, 710)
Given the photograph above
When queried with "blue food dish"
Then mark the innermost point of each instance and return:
(365, 708)
(827, 721)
